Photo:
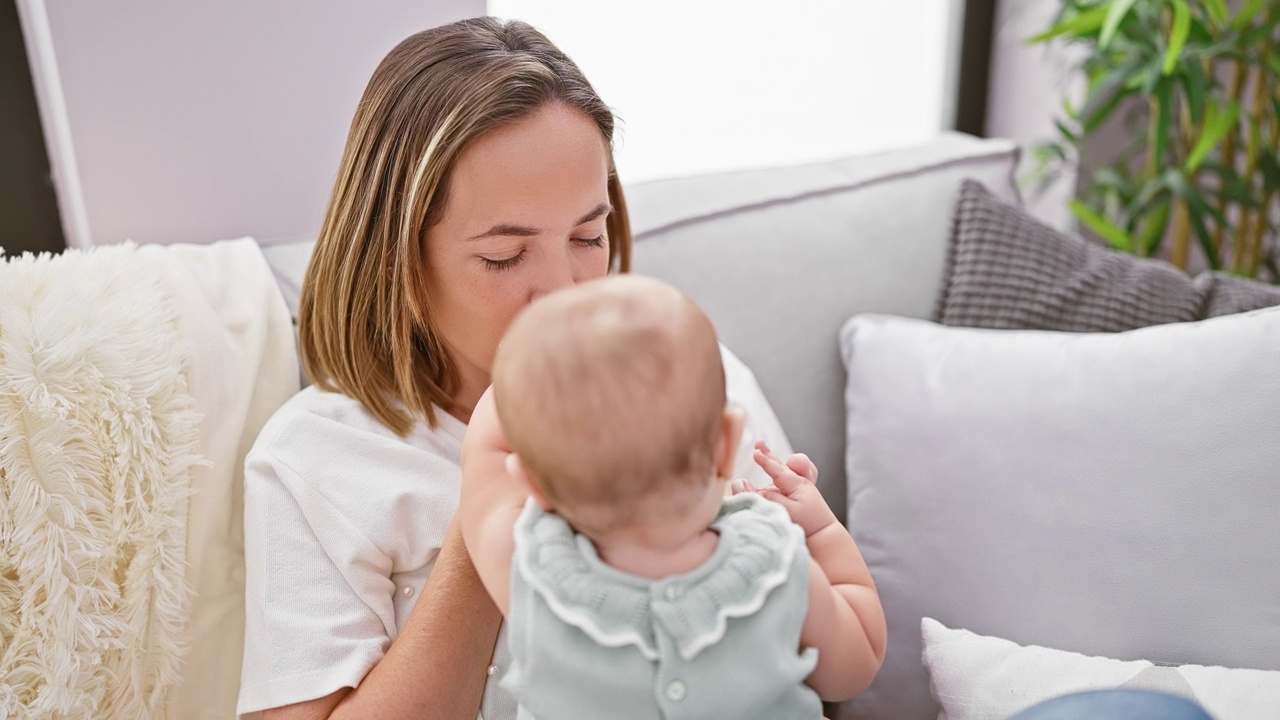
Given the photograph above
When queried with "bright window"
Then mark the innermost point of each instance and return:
(710, 85)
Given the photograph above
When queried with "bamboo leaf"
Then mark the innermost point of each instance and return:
(1270, 167)
(1200, 33)
(1151, 76)
(1216, 127)
(1218, 11)
(1197, 208)
(1067, 133)
(1164, 114)
(1157, 220)
(1230, 186)
(1202, 234)
(1108, 178)
(1245, 16)
(1153, 191)
(1068, 110)
(1196, 204)
(1105, 97)
(1115, 15)
(1178, 36)
(1078, 25)
(1116, 237)
(1195, 84)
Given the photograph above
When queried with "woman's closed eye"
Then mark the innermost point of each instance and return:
(510, 261)
(502, 263)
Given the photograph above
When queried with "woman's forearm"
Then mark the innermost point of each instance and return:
(437, 666)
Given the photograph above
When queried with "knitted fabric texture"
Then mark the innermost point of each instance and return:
(1007, 271)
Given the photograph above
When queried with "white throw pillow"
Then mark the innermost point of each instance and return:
(976, 677)
(1109, 494)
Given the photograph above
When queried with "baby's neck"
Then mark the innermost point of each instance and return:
(657, 555)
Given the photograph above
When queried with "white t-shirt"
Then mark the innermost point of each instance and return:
(343, 522)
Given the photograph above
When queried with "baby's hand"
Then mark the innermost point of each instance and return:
(793, 488)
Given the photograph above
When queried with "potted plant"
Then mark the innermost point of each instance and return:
(1197, 85)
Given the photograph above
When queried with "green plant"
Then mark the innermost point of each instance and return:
(1196, 84)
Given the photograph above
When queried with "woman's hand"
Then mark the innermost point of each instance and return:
(492, 500)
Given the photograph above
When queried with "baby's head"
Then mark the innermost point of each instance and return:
(612, 394)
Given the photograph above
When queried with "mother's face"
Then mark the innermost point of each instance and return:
(525, 215)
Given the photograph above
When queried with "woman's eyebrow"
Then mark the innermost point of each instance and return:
(599, 210)
(508, 229)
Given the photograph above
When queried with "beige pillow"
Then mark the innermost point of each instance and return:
(244, 366)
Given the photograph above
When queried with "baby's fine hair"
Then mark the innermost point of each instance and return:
(609, 392)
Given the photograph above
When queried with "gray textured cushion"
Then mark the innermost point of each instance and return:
(1005, 270)
(780, 257)
(1111, 494)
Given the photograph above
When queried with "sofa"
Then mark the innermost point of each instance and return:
(906, 423)
(1015, 561)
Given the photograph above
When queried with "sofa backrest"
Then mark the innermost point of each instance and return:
(781, 257)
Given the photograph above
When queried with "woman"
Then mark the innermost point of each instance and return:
(477, 176)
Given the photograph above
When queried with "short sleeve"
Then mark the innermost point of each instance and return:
(343, 522)
(311, 628)
(761, 422)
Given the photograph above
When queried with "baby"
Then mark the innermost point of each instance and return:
(594, 508)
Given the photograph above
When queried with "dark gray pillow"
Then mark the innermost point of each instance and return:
(1006, 270)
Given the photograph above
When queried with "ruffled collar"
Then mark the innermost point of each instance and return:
(758, 544)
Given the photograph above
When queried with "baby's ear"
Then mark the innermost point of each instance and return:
(517, 470)
(731, 427)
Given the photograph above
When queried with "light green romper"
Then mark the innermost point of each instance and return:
(591, 642)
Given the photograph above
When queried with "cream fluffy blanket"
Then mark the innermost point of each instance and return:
(99, 436)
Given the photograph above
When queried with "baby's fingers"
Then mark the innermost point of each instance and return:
(783, 477)
(801, 465)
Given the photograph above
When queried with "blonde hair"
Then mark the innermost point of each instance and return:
(612, 393)
(364, 317)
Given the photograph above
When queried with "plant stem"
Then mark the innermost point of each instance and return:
(1181, 234)
(1229, 145)
(1249, 236)
(1152, 166)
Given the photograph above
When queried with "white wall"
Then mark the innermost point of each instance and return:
(1026, 91)
(180, 121)
(709, 85)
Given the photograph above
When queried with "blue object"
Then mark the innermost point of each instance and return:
(1115, 705)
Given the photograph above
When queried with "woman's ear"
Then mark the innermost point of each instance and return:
(517, 470)
(731, 425)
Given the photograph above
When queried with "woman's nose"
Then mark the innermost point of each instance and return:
(555, 273)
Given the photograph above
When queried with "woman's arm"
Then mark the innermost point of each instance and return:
(437, 666)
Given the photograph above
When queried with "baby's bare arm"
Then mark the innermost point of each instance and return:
(492, 500)
(845, 621)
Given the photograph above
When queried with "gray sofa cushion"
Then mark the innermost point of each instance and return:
(1005, 270)
(780, 257)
